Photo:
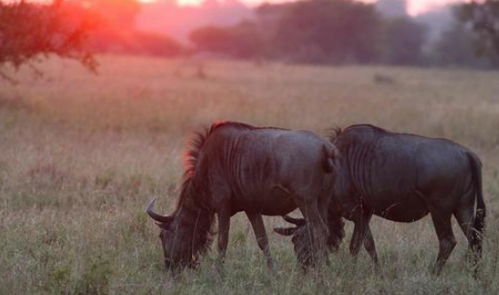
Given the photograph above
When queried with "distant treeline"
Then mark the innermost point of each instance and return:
(342, 32)
(304, 31)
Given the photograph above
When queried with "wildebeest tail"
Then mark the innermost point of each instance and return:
(479, 223)
(330, 157)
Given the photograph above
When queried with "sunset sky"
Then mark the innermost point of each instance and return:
(414, 6)
(419, 6)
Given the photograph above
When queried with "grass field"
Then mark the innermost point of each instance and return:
(80, 156)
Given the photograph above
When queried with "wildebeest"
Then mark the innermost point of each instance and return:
(403, 177)
(234, 167)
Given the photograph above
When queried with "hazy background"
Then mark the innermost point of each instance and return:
(177, 20)
(82, 152)
(396, 32)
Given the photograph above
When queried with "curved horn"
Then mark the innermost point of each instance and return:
(155, 216)
(285, 231)
(297, 221)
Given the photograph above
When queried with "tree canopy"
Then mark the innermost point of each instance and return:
(337, 30)
(484, 20)
(318, 31)
(29, 32)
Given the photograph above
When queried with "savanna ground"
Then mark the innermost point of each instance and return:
(80, 156)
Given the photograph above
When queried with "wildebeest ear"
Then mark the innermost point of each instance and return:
(285, 231)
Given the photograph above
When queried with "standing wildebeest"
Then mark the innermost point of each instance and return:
(236, 167)
(403, 177)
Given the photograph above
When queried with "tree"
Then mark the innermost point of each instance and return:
(333, 31)
(242, 40)
(455, 48)
(484, 20)
(30, 32)
(403, 41)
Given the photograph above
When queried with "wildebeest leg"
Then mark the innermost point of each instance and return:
(465, 217)
(371, 248)
(223, 232)
(261, 236)
(446, 239)
(360, 231)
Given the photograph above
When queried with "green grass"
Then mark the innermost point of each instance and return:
(80, 156)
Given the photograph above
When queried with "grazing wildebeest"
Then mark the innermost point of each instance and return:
(403, 177)
(234, 167)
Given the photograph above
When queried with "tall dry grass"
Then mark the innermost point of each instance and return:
(80, 155)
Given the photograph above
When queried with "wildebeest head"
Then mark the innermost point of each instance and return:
(176, 254)
(300, 239)
(301, 236)
(187, 234)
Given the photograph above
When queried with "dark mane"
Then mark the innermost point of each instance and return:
(335, 132)
(196, 143)
(200, 218)
(198, 140)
